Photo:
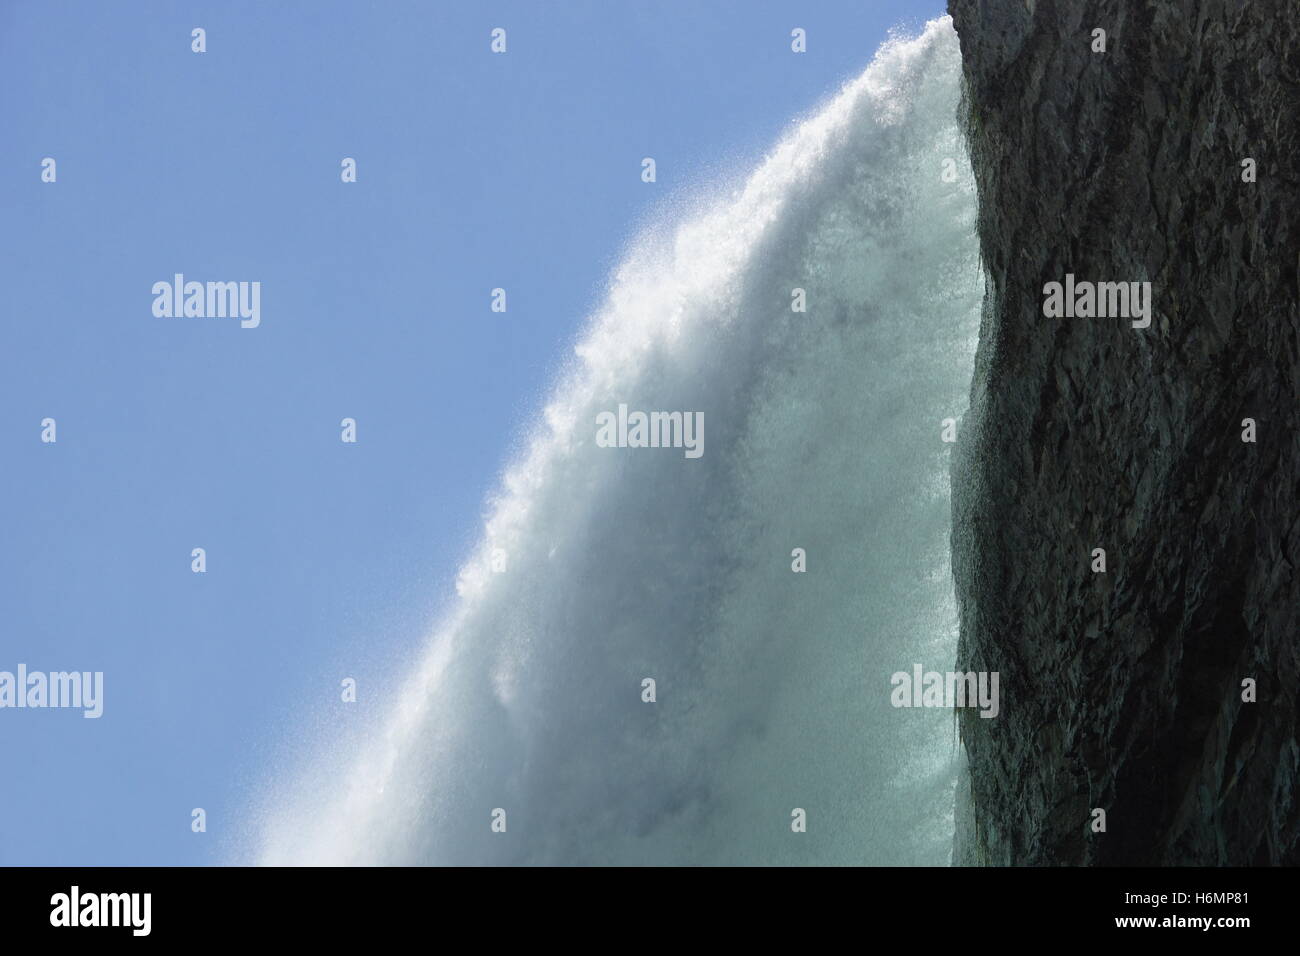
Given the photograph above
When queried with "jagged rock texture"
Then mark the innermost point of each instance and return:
(1123, 690)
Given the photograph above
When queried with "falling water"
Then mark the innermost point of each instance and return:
(822, 432)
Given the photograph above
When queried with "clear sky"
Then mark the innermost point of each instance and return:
(325, 560)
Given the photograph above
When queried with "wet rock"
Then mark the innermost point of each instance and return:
(1122, 690)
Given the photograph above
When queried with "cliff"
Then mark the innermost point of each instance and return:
(1122, 689)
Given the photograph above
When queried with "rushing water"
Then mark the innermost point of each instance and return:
(822, 432)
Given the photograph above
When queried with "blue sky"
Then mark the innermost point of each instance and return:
(325, 559)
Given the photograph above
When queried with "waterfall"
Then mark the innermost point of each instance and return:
(600, 567)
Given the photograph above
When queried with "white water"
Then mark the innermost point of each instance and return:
(821, 432)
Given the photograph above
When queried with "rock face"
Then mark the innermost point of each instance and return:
(1123, 690)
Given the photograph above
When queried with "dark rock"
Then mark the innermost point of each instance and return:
(1123, 690)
